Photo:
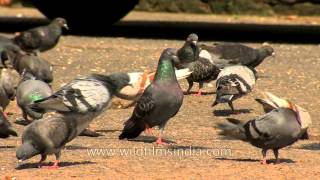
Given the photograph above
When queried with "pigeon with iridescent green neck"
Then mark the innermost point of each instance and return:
(30, 90)
(160, 101)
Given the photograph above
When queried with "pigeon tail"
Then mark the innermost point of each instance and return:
(132, 129)
(183, 73)
(233, 128)
(5, 133)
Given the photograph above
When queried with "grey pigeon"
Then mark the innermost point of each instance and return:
(281, 127)
(35, 65)
(7, 88)
(160, 101)
(77, 104)
(29, 90)
(41, 38)
(5, 127)
(232, 83)
(189, 52)
(49, 136)
(229, 54)
(203, 70)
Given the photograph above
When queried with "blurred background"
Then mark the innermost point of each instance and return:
(243, 20)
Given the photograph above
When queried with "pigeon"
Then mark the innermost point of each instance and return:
(8, 50)
(284, 124)
(202, 71)
(48, 136)
(29, 90)
(232, 83)
(189, 52)
(141, 80)
(76, 104)
(160, 101)
(37, 66)
(41, 38)
(5, 127)
(7, 89)
(229, 54)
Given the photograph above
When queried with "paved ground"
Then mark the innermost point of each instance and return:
(196, 150)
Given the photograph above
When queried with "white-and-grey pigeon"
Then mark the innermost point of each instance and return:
(232, 83)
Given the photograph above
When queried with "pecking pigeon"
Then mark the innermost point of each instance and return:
(229, 54)
(5, 127)
(284, 124)
(41, 38)
(29, 90)
(232, 83)
(189, 52)
(48, 136)
(160, 101)
(34, 65)
(77, 104)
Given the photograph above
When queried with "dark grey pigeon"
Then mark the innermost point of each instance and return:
(49, 136)
(281, 127)
(5, 127)
(8, 50)
(232, 83)
(7, 88)
(41, 38)
(160, 101)
(229, 54)
(35, 65)
(29, 90)
(189, 52)
(77, 104)
(202, 71)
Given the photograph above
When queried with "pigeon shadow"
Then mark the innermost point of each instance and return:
(108, 131)
(193, 93)
(313, 146)
(150, 139)
(61, 164)
(228, 112)
(23, 122)
(7, 147)
(174, 147)
(75, 147)
(269, 161)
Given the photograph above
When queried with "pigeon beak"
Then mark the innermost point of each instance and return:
(273, 54)
(194, 42)
(66, 26)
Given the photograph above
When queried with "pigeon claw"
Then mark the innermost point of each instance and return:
(160, 142)
(263, 161)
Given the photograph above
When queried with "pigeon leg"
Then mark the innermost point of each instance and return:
(148, 129)
(25, 115)
(5, 115)
(43, 158)
(200, 89)
(55, 164)
(190, 86)
(264, 157)
(159, 140)
(231, 105)
(276, 154)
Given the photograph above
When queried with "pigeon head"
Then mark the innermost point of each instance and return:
(189, 51)
(266, 50)
(61, 22)
(26, 151)
(165, 69)
(192, 38)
